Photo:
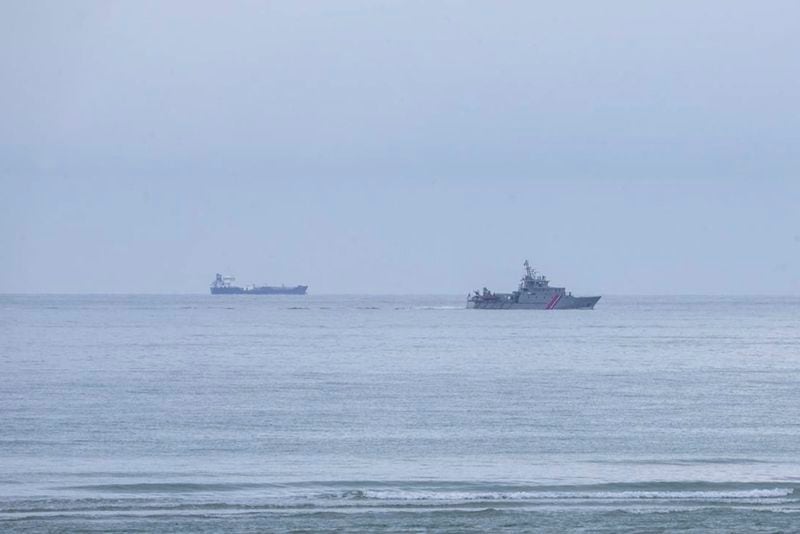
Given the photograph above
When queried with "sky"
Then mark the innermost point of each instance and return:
(389, 147)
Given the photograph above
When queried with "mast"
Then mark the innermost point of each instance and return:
(528, 269)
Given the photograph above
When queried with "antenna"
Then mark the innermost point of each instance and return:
(527, 268)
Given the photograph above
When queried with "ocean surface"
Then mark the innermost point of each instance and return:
(253, 414)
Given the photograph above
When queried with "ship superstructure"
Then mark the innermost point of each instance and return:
(534, 293)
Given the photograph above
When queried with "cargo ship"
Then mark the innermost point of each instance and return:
(223, 285)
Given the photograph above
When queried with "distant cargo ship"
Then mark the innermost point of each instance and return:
(223, 285)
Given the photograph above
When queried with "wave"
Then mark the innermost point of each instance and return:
(462, 491)
(169, 487)
(461, 496)
(699, 492)
(244, 497)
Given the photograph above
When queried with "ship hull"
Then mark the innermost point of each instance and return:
(505, 302)
(265, 290)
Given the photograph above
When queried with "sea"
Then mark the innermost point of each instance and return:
(200, 413)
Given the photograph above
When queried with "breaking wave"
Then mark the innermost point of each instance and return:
(227, 499)
(456, 496)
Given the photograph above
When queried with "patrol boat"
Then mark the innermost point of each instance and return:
(223, 285)
(534, 293)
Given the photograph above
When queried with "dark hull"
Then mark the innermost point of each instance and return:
(265, 290)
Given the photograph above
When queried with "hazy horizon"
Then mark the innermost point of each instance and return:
(400, 148)
(604, 300)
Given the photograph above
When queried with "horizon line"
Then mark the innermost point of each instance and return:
(351, 294)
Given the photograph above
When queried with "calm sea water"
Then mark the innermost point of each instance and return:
(243, 413)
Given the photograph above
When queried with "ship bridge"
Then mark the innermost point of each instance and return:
(532, 280)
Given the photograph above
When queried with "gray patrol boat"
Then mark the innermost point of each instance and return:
(534, 293)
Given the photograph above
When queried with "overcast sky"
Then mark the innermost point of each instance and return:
(400, 147)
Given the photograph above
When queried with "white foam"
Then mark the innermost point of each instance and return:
(450, 496)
